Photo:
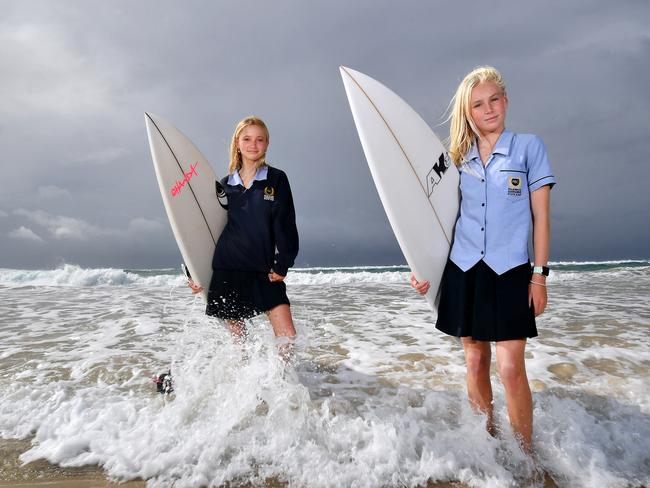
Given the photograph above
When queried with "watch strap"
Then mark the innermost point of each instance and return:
(543, 270)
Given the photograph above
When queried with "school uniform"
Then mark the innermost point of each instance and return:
(259, 237)
(484, 288)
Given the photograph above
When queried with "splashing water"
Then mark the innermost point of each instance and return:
(374, 397)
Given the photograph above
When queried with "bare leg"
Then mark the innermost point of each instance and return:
(512, 370)
(237, 329)
(282, 323)
(479, 389)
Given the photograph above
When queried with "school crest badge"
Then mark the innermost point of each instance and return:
(514, 186)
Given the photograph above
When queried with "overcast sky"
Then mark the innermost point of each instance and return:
(78, 184)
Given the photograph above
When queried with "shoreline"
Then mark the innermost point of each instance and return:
(42, 473)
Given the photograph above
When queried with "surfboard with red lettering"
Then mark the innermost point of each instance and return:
(187, 185)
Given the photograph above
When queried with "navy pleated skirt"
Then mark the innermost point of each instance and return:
(239, 295)
(485, 306)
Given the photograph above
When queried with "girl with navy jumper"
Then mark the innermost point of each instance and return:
(488, 291)
(260, 240)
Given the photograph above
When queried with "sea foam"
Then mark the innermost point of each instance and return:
(375, 395)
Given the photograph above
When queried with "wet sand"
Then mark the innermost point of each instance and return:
(43, 474)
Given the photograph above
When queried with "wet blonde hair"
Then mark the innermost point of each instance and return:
(235, 156)
(462, 130)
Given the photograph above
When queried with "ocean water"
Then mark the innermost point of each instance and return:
(374, 397)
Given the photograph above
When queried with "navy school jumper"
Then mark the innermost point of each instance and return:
(261, 233)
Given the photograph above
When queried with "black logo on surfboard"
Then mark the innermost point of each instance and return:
(435, 175)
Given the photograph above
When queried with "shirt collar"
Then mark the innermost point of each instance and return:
(503, 143)
(473, 152)
(502, 146)
(234, 179)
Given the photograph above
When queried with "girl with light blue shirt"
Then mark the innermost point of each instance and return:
(488, 291)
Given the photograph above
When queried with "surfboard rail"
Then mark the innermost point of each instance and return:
(416, 182)
(187, 186)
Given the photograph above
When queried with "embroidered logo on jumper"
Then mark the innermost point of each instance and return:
(435, 175)
(514, 186)
(187, 176)
(269, 193)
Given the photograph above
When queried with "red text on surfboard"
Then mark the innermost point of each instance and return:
(176, 189)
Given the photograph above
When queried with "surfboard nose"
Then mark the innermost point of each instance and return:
(351, 73)
(149, 122)
(149, 117)
(345, 73)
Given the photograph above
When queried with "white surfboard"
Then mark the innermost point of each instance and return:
(416, 181)
(187, 186)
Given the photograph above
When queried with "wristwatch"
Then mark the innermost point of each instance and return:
(543, 270)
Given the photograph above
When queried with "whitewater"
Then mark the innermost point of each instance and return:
(375, 396)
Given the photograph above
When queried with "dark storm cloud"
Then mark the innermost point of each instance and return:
(77, 77)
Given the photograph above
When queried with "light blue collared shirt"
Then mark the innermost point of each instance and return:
(495, 216)
(234, 179)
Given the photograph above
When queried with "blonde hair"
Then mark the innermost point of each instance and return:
(462, 130)
(235, 156)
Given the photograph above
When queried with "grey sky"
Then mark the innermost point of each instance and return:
(77, 76)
